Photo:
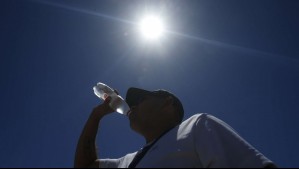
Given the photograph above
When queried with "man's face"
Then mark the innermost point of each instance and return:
(146, 114)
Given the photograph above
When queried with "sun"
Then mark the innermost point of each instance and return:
(151, 27)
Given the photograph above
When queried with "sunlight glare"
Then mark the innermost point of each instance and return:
(151, 27)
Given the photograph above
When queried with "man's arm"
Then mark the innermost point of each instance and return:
(86, 155)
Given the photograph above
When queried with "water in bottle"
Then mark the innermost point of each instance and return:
(117, 103)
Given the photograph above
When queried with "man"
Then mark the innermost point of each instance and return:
(200, 141)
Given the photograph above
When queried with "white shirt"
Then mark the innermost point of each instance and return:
(201, 141)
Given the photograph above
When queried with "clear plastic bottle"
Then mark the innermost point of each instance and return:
(117, 103)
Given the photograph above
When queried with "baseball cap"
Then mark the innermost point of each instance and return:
(134, 95)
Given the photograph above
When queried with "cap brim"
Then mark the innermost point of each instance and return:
(134, 95)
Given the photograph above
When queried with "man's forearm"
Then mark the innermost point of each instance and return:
(86, 153)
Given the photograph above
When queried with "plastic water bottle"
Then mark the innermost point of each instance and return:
(117, 103)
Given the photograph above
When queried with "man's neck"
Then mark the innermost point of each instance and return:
(155, 134)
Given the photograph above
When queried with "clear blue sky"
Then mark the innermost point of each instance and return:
(237, 60)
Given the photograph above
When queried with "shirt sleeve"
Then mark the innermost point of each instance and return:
(109, 163)
(218, 145)
(123, 162)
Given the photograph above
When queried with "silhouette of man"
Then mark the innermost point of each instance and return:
(201, 141)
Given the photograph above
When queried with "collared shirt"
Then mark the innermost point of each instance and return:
(202, 141)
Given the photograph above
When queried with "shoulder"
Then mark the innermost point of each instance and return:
(206, 122)
(203, 119)
(197, 118)
(189, 125)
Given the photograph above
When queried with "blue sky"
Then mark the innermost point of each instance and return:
(237, 60)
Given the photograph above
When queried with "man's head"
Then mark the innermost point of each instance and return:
(153, 110)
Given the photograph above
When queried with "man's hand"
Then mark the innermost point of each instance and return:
(104, 109)
(86, 154)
